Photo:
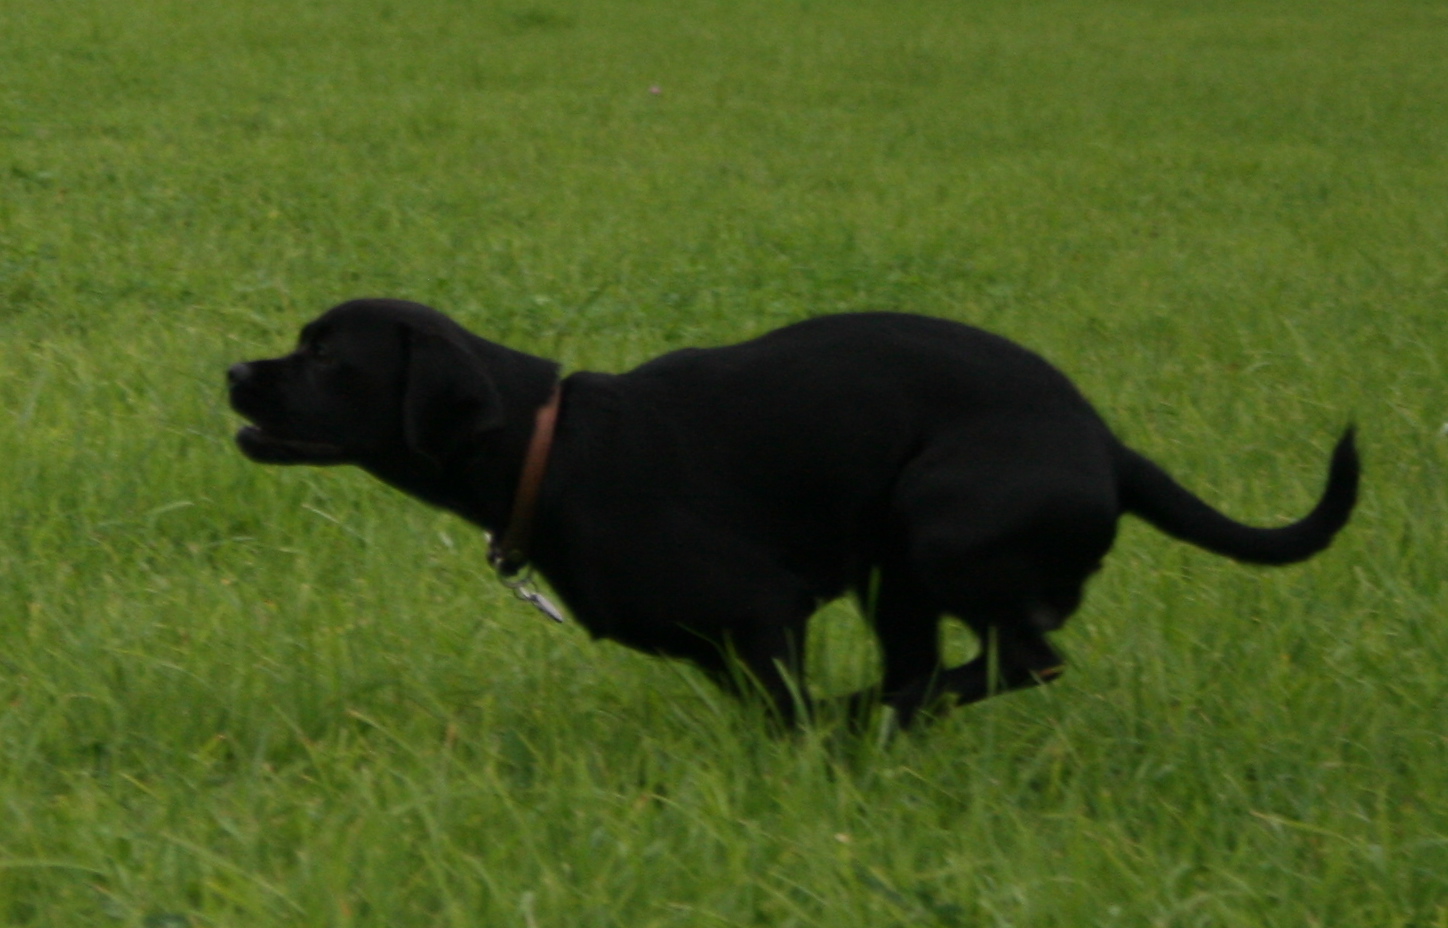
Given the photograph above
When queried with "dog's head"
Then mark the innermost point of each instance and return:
(369, 380)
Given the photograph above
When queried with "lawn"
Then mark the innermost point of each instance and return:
(243, 696)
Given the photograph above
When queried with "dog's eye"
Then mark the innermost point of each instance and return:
(318, 351)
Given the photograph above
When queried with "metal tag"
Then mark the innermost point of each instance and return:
(523, 588)
(540, 602)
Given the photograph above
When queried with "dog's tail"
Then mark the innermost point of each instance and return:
(1151, 493)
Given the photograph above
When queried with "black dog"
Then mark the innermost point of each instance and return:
(706, 503)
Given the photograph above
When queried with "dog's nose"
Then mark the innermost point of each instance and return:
(238, 374)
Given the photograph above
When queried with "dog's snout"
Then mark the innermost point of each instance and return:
(238, 374)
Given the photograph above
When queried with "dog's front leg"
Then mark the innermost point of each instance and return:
(765, 664)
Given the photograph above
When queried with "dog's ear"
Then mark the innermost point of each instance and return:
(448, 400)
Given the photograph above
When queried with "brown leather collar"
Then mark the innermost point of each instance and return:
(509, 554)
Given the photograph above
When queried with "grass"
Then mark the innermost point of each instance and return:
(236, 696)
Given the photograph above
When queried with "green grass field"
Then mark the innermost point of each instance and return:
(240, 696)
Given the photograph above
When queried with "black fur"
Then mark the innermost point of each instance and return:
(707, 502)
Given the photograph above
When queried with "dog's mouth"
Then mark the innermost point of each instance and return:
(266, 447)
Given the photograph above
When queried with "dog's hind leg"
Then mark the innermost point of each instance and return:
(1010, 600)
(915, 681)
(1010, 562)
(1008, 661)
(1011, 658)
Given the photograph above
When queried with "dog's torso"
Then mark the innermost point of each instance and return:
(786, 451)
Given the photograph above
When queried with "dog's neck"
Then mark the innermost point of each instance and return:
(480, 482)
(509, 552)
